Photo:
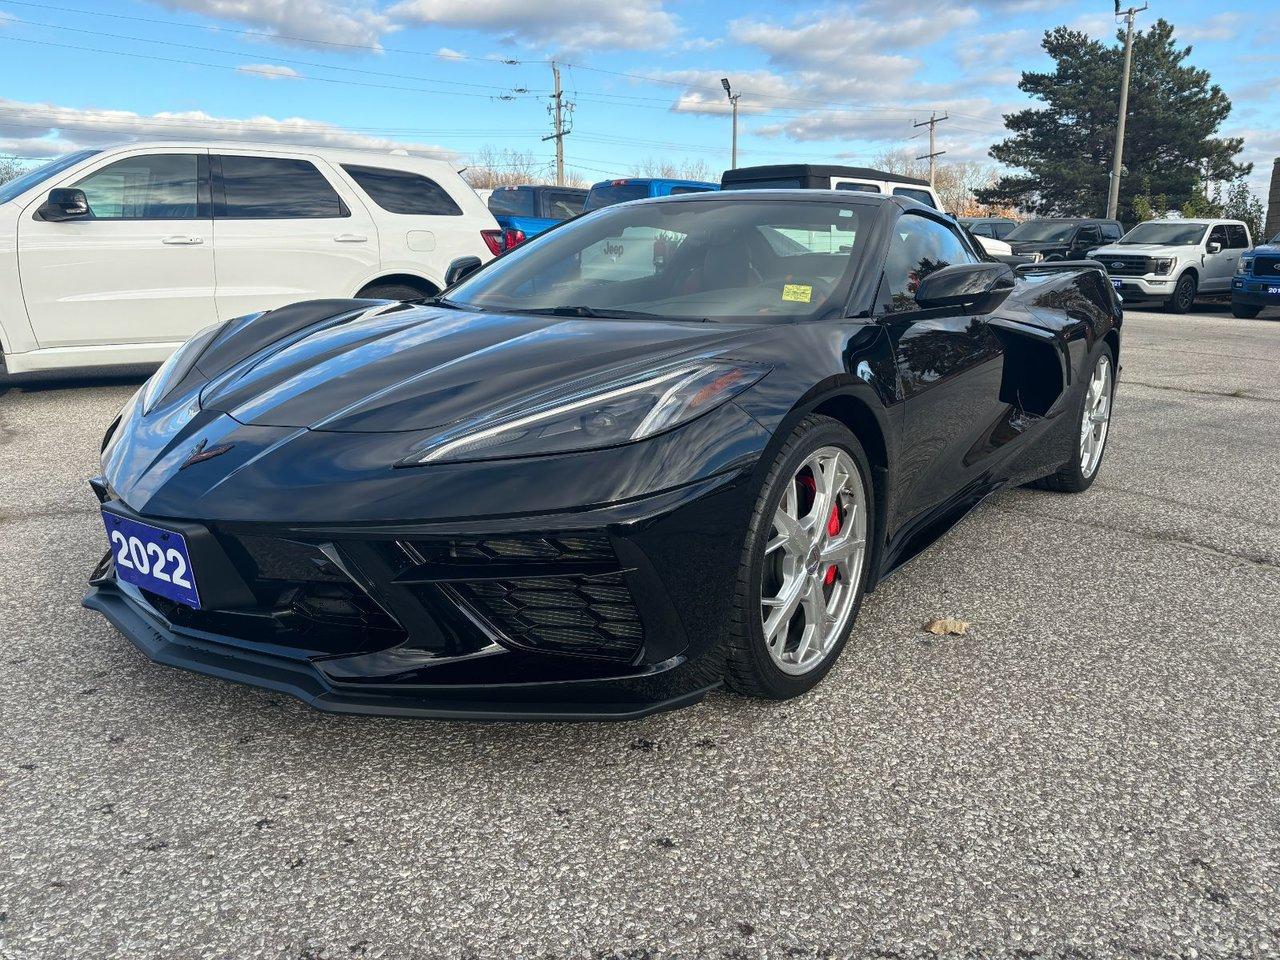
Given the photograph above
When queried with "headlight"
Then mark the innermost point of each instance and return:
(603, 415)
(176, 367)
(1163, 264)
(1037, 257)
(1245, 264)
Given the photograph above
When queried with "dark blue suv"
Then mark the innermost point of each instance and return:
(1257, 280)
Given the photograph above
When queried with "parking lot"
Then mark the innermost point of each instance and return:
(1091, 771)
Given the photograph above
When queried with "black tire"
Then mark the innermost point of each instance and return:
(393, 291)
(749, 669)
(1245, 311)
(1070, 477)
(1184, 295)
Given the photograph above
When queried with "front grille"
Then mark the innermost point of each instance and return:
(1266, 267)
(567, 548)
(1126, 266)
(585, 615)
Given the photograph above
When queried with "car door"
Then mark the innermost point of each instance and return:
(1087, 239)
(285, 231)
(138, 268)
(949, 367)
(1218, 267)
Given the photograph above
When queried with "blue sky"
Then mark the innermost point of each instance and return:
(819, 82)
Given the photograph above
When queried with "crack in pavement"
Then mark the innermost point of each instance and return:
(50, 514)
(1239, 394)
(1257, 560)
(1173, 502)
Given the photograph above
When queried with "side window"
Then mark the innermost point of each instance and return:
(165, 186)
(917, 247)
(276, 188)
(1002, 230)
(1219, 235)
(982, 230)
(1111, 231)
(923, 196)
(677, 190)
(398, 191)
(1238, 236)
(1088, 234)
(562, 206)
(859, 187)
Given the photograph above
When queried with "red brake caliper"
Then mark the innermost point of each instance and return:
(833, 524)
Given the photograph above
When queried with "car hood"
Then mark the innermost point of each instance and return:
(386, 370)
(1266, 249)
(1031, 246)
(1140, 249)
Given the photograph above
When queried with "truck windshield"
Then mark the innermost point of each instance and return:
(1041, 231)
(746, 260)
(1166, 234)
(33, 178)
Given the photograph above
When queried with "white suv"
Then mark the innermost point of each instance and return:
(1173, 261)
(117, 256)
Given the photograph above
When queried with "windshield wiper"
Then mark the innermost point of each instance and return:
(607, 314)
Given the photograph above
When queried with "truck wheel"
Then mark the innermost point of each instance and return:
(1245, 311)
(1184, 295)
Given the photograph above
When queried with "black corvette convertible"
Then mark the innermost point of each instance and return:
(666, 446)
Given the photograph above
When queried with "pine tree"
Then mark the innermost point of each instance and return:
(1064, 148)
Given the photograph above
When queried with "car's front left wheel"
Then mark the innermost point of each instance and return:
(804, 563)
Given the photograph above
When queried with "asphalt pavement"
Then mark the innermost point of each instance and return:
(1092, 771)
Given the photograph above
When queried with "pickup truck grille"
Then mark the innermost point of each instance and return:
(1266, 267)
(1126, 266)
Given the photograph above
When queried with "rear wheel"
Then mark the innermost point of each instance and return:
(1184, 295)
(1245, 311)
(804, 563)
(1078, 474)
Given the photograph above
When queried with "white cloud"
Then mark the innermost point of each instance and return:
(330, 21)
(1221, 26)
(566, 25)
(700, 44)
(448, 53)
(45, 130)
(269, 71)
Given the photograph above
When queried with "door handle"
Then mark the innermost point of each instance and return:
(182, 241)
(351, 238)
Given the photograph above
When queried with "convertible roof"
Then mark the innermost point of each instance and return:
(784, 170)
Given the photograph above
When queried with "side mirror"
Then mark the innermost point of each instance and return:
(460, 269)
(979, 287)
(1214, 247)
(64, 203)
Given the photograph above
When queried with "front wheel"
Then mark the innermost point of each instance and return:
(1078, 473)
(804, 563)
(1245, 311)
(1184, 295)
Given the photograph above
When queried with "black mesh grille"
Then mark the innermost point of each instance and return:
(591, 616)
(1266, 267)
(569, 548)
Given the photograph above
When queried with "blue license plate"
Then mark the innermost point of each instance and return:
(1117, 284)
(1273, 289)
(152, 558)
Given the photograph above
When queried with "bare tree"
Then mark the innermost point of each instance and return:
(491, 168)
(675, 170)
(9, 169)
(956, 183)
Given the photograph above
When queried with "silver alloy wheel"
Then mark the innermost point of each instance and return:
(1097, 417)
(813, 560)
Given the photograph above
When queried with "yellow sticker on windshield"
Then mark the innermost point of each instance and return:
(797, 292)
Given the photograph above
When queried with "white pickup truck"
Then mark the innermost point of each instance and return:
(1174, 261)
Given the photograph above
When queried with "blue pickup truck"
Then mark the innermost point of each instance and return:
(525, 211)
(1257, 280)
(608, 192)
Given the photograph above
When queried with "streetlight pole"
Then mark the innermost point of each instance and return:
(1117, 156)
(733, 102)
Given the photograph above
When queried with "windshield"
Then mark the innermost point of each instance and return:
(1041, 231)
(606, 194)
(682, 260)
(33, 178)
(1166, 234)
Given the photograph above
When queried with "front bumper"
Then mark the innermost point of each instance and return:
(1145, 288)
(613, 613)
(1255, 293)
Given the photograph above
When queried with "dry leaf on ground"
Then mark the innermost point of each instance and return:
(943, 626)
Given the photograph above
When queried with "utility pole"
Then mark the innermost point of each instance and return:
(933, 154)
(733, 102)
(560, 112)
(1117, 157)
